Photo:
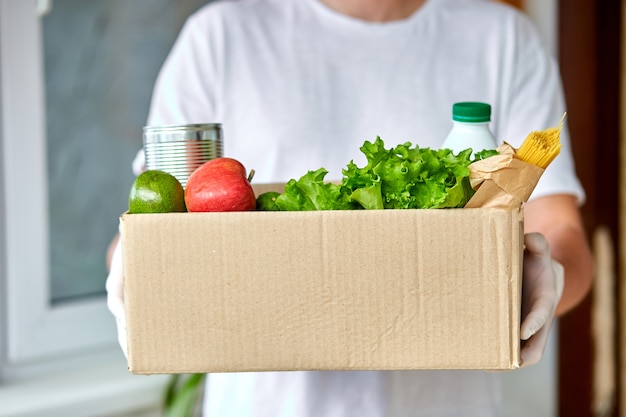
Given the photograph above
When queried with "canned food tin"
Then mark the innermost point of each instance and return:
(180, 149)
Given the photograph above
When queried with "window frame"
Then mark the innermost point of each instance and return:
(34, 328)
(65, 354)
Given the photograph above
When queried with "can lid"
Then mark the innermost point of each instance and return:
(176, 133)
(190, 127)
(471, 111)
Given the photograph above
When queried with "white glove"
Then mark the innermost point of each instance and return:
(115, 294)
(115, 280)
(542, 287)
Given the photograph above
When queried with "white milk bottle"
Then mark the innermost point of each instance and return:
(470, 128)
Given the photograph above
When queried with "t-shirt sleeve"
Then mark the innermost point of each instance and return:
(535, 101)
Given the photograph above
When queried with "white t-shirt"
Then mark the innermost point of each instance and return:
(298, 86)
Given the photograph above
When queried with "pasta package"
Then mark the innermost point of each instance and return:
(508, 179)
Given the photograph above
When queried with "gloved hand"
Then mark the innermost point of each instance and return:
(115, 280)
(542, 287)
(115, 294)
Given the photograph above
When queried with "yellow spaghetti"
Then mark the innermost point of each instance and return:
(541, 147)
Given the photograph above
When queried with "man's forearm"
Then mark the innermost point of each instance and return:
(558, 219)
(569, 247)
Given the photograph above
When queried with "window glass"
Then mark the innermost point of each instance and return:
(101, 58)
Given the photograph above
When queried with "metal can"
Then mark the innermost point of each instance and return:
(180, 149)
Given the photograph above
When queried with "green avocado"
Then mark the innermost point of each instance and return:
(155, 191)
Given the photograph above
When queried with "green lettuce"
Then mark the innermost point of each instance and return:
(403, 177)
(311, 192)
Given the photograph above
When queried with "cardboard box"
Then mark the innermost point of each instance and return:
(261, 291)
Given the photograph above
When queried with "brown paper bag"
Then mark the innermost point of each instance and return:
(502, 181)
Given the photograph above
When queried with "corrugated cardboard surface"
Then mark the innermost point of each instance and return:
(385, 289)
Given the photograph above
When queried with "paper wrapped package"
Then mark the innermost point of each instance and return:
(503, 180)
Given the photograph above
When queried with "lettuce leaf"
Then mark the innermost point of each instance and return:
(404, 177)
(310, 192)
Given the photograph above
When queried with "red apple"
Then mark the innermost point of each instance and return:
(219, 185)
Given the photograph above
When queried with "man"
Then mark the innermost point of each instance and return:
(300, 84)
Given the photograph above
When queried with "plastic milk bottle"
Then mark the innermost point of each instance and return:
(470, 128)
